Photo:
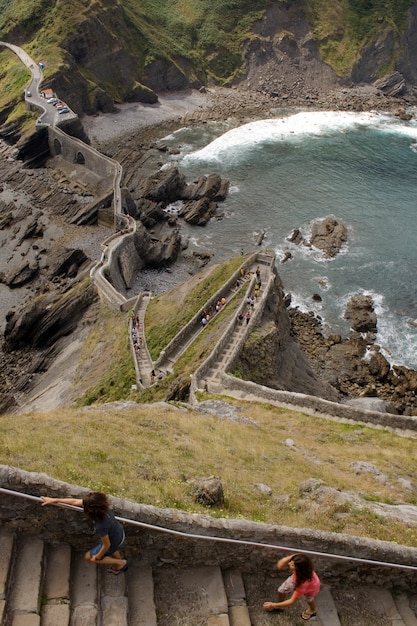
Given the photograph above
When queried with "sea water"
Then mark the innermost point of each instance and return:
(286, 173)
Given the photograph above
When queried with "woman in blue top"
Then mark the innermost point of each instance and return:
(96, 506)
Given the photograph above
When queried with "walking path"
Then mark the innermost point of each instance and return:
(211, 375)
(235, 336)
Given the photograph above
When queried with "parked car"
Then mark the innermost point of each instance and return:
(52, 100)
(58, 103)
(64, 110)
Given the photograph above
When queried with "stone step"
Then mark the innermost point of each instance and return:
(404, 609)
(236, 598)
(326, 608)
(6, 552)
(381, 601)
(142, 610)
(56, 587)
(195, 591)
(113, 598)
(25, 593)
(84, 593)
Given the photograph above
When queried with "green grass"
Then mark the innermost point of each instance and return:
(106, 372)
(342, 28)
(167, 314)
(150, 454)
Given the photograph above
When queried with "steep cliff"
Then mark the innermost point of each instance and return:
(99, 53)
(271, 357)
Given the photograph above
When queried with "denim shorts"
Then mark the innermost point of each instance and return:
(110, 551)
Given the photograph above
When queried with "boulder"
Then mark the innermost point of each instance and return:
(379, 367)
(391, 85)
(150, 213)
(165, 186)
(205, 186)
(163, 251)
(65, 262)
(360, 312)
(296, 237)
(328, 235)
(208, 491)
(21, 275)
(198, 212)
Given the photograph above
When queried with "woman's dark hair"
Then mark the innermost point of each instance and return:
(303, 569)
(96, 505)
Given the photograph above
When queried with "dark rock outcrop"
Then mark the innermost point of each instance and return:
(167, 186)
(65, 262)
(198, 212)
(392, 85)
(360, 312)
(47, 318)
(271, 356)
(21, 275)
(328, 235)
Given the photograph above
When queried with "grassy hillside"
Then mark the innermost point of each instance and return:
(150, 453)
(342, 27)
(112, 43)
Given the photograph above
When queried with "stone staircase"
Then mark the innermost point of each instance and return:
(45, 585)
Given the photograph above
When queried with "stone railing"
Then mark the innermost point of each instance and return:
(190, 329)
(199, 376)
(201, 539)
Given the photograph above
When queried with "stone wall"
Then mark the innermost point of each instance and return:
(201, 539)
(74, 150)
(314, 405)
(195, 322)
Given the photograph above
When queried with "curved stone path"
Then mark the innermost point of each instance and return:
(211, 375)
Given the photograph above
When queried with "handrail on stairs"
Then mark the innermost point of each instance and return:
(170, 531)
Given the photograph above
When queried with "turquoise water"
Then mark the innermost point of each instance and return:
(288, 172)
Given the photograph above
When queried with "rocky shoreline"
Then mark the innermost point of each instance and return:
(133, 145)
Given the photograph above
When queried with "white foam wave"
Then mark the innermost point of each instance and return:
(296, 127)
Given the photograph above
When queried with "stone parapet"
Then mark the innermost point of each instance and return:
(200, 539)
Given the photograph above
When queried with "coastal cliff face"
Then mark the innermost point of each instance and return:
(100, 54)
(289, 351)
(272, 357)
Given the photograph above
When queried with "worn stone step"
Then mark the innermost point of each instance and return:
(381, 601)
(6, 552)
(142, 610)
(56, 587)
(326, 608)
(236, 598)
(27, 579)
(113, 598)
(194, 593)
(84, 593)
(403, 606)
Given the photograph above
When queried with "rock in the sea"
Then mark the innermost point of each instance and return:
(328, 235)
(213, 187)
(198, 212)
(360, 312)
(165, 186)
